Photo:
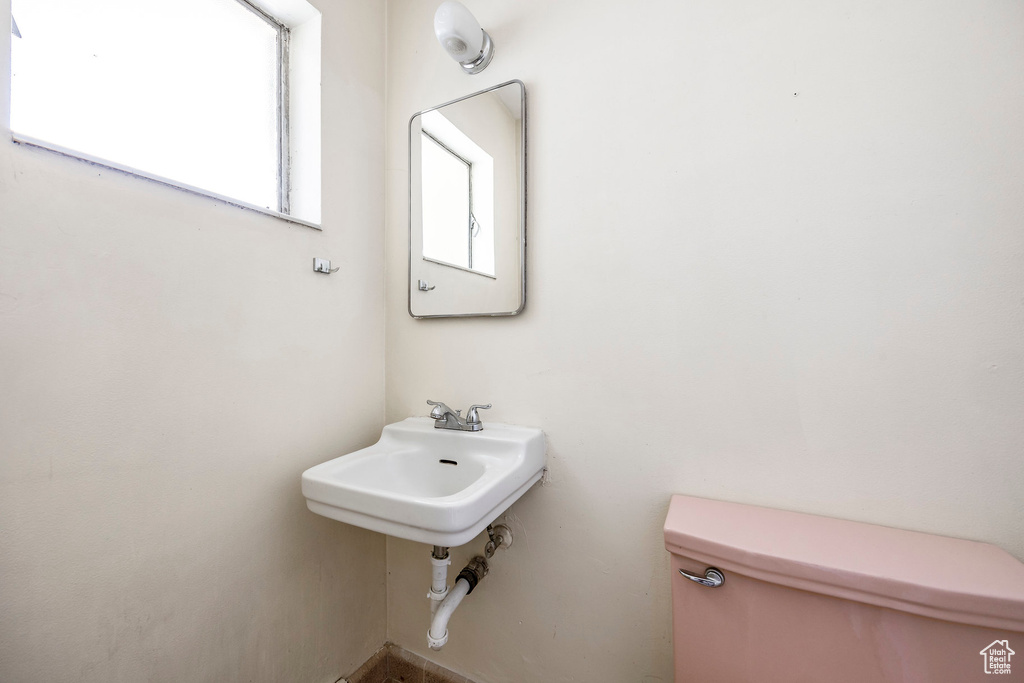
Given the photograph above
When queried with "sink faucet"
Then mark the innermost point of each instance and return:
(446, 418)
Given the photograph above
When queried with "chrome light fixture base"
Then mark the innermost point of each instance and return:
(483, 59)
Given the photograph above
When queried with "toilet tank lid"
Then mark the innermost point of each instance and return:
(934, 576)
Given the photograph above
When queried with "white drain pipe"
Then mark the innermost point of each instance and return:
(439, 577)
(443, 602)
(469, 577)
(437, 636)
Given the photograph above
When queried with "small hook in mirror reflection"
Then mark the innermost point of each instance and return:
(425, 286)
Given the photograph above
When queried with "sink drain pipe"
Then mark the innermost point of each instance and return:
(443, 604)
(439, 577)
(469, 577)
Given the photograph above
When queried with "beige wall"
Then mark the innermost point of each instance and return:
(775, 256)
(168, 367)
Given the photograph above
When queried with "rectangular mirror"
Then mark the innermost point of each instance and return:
(467, 206)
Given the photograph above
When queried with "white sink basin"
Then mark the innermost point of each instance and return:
(435, 486)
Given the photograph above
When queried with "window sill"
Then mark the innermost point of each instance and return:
(462, 268)
(57, 149)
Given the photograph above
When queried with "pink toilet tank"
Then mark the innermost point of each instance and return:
(809, 599)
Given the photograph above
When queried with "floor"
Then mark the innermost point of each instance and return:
(392, 664)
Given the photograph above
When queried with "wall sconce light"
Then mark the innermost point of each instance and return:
(461, 36)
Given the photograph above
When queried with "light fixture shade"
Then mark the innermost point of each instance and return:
(458, 31)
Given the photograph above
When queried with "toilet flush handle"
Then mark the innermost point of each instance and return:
(712, 577)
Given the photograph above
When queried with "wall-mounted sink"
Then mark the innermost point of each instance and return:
(435, 486)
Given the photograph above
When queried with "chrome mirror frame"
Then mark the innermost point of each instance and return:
(522, 212)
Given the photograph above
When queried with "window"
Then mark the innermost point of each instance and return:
(195, 93)
(447, 204)
(457, 191)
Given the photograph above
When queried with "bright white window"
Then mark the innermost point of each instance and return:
(447, 215)
(195, 92)
(458, 197)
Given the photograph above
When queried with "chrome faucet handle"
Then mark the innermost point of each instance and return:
(440, 410)
(472, 417)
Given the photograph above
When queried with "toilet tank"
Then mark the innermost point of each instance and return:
(819, 600)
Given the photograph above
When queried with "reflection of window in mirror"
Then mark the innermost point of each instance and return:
(447, 187)
(458, 197)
